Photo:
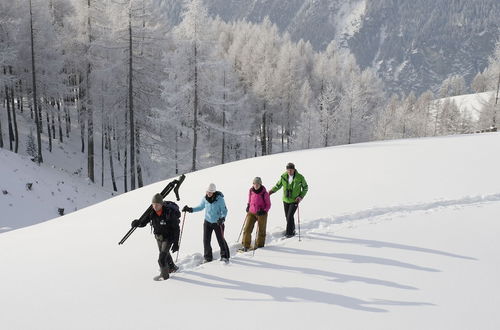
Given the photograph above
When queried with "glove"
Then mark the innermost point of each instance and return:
(271, 192)
(175, 247)
(187, 209)
(261, 212)
(298, 199)
(248, 207)
(221, 220)
(135, 223)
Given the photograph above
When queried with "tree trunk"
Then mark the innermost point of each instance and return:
(131, 105)
(223, 160)
(350, 125)
(263, 131)
(9, 118)
(59, 121)
(138, 157)
(90, 119)
(35, 107)
(20, 102)
(110, 152)
(176, 156)
(103, 133)
(1, 134)
(48, 127)
(14, 120)
(269, 125)
(52, 117)
(67, 120)
(125, 189)
(195, 109)
(496, 102)
(81, 112)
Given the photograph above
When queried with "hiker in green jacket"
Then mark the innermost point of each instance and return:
(294, 190)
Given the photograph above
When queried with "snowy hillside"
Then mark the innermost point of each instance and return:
(472, 104)
(50, 189)
(395, 235)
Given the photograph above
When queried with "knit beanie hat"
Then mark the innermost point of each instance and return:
(257, 180)
(290, 166)
(157, 199)
(211, 188)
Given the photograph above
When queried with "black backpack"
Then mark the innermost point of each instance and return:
(169, 224)
(172, 211)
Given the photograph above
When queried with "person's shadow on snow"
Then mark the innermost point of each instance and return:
(380, 244)
(330, 276)
(293, 294)
(355, 258)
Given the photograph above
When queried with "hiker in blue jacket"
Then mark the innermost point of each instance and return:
(215, 215)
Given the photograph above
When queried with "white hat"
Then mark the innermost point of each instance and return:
(211, 188)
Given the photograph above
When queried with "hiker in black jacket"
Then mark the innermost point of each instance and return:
(165, 222)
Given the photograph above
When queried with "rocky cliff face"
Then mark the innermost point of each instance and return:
(417, 44)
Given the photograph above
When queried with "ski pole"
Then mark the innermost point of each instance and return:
(298, 218)
(256, 234)
(180, 237)
(241, 231)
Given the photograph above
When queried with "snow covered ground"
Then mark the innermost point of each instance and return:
(395, 235)
(51, 189)
(471, 104)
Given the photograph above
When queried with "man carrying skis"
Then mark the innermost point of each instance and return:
(215, 215)
(258, 205)
(165, 220)
(294, 190)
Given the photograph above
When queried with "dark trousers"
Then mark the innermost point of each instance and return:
(207, 237)
(164, 259)
(290, 209)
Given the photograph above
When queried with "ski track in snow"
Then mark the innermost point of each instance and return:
(195, 260)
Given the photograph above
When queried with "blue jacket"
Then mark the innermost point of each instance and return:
(215, 208)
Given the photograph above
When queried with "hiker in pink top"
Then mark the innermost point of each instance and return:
(258, 205)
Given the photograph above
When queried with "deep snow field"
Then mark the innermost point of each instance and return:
(394, 235)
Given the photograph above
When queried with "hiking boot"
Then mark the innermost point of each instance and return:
(243, 249)
(164, 273)
(173, 268)
(226, 260)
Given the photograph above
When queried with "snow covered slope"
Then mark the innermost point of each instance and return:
(395, 235)
(51, 189)
(471, 104)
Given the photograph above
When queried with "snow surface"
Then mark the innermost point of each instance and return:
(394, 235)
(51, 188)
(471, 104)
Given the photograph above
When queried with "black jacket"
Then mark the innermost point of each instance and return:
(167, 224)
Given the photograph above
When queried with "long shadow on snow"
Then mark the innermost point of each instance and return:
(398, 209)
(354, 258)
(331, 276)
(380, 244)
(294, 294)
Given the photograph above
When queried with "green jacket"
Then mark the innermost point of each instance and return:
(297, 188)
